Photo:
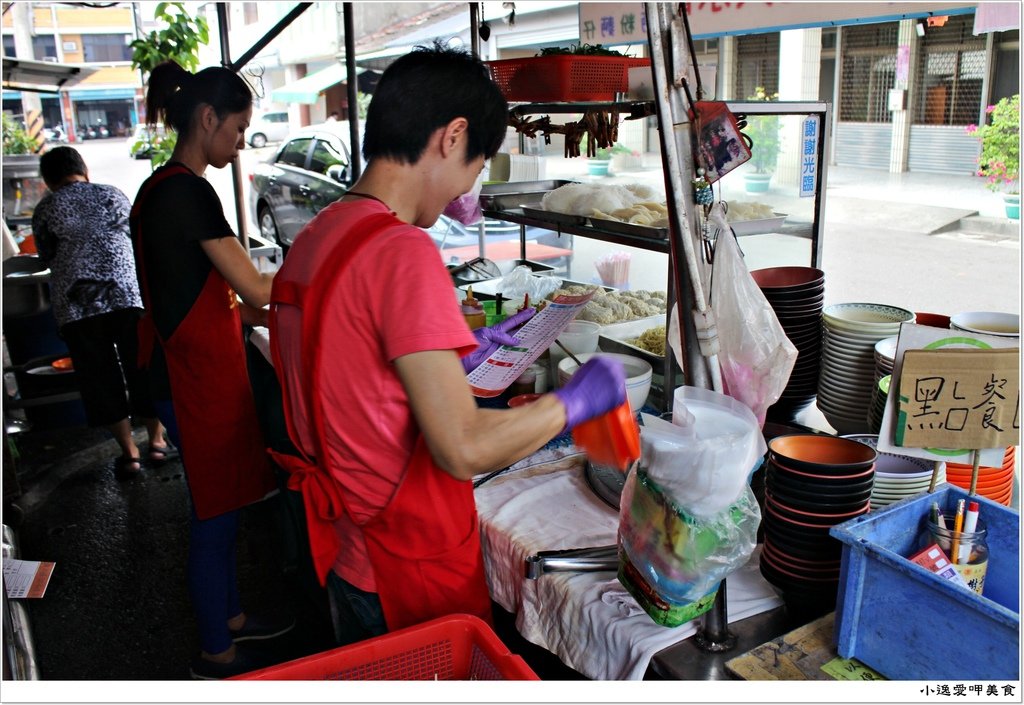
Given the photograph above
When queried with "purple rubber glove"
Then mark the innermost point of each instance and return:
(490, 339)
(596, 388)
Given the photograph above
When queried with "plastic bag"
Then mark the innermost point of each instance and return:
(522, 280)
(705, 465)
(683, 557)
(466, 208)
(755, 355)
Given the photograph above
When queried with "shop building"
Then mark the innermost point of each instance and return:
(97, 37)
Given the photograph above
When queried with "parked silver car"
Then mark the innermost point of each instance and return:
(268, 127)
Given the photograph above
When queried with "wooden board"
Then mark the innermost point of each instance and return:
(798, 655)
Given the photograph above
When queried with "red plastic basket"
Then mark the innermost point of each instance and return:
(457, 647)
(563, 77)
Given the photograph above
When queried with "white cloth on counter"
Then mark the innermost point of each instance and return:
(587, 619)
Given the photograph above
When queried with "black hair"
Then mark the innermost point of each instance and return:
(426, 89)
(174, 94)
(59, 163)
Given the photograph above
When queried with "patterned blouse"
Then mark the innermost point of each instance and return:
(81, 232)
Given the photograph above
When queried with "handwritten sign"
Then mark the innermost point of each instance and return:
(612, 23)
(810, 132)
(959, 399)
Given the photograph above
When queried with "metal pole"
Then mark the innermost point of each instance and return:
(269, 36)
(474, 28)
(356, 168)
(236, 169)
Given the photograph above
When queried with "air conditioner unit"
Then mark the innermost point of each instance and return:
(70, 46)
(50, 59)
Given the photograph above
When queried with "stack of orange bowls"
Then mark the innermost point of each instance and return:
(994, 483)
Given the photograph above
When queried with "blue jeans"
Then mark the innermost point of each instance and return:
(212, 585)
(356, 614)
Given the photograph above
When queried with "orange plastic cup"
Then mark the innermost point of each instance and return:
(612, 439)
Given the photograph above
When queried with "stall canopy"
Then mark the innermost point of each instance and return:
(309, 88)
(41, 76)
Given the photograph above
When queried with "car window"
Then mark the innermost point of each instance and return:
(294, 153)
(277, 117)
(326, 155)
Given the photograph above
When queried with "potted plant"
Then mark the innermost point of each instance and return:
(999, 161)
(625, 158)
(20, 158)
(763, 131)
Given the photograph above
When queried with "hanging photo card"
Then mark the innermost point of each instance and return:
(917, 337)
(720, 146)
(959, 399)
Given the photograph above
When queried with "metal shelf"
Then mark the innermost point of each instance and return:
(635, 108)
(516, 215)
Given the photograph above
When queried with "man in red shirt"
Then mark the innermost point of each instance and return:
(367, 337)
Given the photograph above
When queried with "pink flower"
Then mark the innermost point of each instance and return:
(989, 109)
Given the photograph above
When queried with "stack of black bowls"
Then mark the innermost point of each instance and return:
(812, 482)
(797, 295)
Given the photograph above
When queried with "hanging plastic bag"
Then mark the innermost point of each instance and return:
(466, 208)
(755, 356)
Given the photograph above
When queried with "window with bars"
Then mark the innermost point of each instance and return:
(868, 72)
(757, 64)
(949, 74)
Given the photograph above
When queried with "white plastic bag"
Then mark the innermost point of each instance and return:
(755, 356)
(522, 280)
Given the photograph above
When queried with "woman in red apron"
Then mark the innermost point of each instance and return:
(366, 337)
(198, 287)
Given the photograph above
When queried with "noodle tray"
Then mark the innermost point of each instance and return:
(613, 339)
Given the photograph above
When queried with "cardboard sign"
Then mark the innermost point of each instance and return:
(959, 399)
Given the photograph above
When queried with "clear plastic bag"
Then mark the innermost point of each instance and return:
(755, 356)
(522, 280)
(683, 557)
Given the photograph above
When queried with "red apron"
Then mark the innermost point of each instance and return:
(222, 445)
(424, 546)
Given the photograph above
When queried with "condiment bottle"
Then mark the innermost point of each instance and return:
(473, 310)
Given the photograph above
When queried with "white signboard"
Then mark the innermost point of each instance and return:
(625, 22)
(810, 133)
(612, 23)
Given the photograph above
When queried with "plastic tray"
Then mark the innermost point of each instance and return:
(617, 226)
(535, 211)
(892, 614)
(458, 647)
(564, 77)
(516, 193)
(613, 338)
(758, 226)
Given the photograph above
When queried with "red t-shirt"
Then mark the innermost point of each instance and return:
(393, 299)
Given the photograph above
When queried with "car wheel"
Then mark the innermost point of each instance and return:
(268, 226)
(259, 140)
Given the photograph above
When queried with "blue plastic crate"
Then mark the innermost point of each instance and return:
(908, 623)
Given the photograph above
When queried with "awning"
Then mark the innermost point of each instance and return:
(309, 88)
(41, 76)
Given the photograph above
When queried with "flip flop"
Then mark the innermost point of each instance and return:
(123, 469)
(158, 455)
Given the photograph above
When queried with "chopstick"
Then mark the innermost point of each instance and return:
(568, 352)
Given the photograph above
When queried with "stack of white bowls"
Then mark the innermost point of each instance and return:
(1003, 325)
(847, 378)
(898, 476)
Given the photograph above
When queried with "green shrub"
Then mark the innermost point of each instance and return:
(1000, 145)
